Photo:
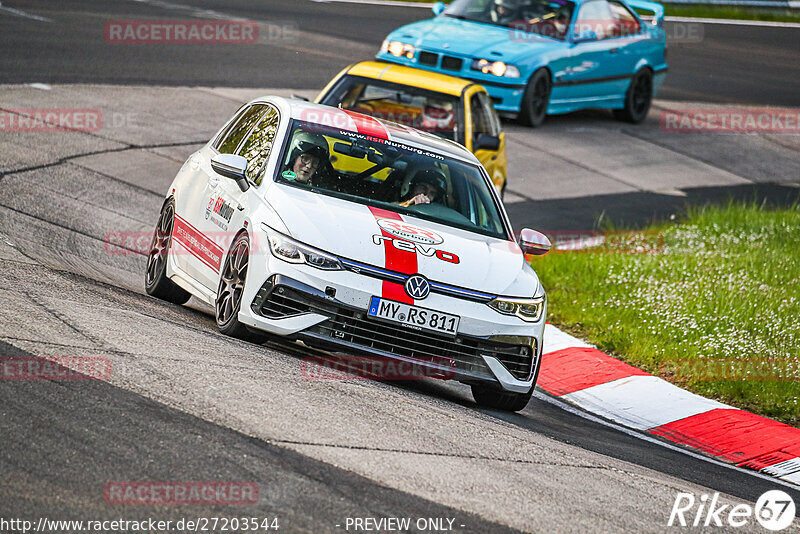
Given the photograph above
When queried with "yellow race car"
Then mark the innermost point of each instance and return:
(449, 107)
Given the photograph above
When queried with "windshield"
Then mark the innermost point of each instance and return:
(549, 18)
(429, 111)
(390, 175)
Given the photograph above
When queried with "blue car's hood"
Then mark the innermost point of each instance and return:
(466, 38)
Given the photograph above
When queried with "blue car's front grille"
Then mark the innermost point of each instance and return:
(428, 58)
(451, 63)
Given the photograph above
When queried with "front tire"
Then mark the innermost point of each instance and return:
(637, 99)
(536, 99)
(490, 397)
(156, 282)
(231, 288)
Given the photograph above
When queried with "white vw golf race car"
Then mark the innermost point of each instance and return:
(359, 237)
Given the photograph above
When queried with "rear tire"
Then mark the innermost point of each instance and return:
(156, 282)
(536, 99)
(637, 99)
(231, 289)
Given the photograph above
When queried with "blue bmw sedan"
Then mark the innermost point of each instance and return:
(544, 57)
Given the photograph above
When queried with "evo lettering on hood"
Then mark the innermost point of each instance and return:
(408, 246)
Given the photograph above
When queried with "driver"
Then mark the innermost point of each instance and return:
(437, 116)
(307, 155)
(504, 11)
(427, 186)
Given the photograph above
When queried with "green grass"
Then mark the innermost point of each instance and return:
(720, 288)
(720, 12)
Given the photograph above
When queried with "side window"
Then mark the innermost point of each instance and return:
(483, 118)
(492, 119)
(257, 147)
(597, 16)
(627, 23)
(229, 142)
(480, 122)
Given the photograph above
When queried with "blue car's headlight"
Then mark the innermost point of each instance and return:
(529, 310)
(498, 68)
(287, 249)
(398, 49)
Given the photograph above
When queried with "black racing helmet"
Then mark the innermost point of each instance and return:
(432, 177)
(308, 143)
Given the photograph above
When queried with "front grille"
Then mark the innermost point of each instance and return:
(352, 326)
(451, 63)
(428, 58)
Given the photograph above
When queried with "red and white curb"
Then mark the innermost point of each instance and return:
(578, 373)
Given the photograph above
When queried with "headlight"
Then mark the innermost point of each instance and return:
(287, 249)
(398, 49)
(529, 310)
(498, 68)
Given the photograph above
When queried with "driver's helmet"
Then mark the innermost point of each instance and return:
(504, 11)
(437, 116)
(308, 143)
(432, 177)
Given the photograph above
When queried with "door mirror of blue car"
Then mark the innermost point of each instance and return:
(437, 8)
(585, 36)
(486, 142)
(233, 167)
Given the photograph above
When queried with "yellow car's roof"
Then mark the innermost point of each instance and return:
(433, 81)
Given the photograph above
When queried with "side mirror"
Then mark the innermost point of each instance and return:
(233, 167)
(299, 97)
(533, 242)
(585, 36)
(437, 8)
(487, 142)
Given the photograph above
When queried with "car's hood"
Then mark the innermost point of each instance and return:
(474, 39)
(360, 233)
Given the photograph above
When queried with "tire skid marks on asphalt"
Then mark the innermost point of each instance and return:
(578, 373)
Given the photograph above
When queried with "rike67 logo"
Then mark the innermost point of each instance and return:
(774, 510)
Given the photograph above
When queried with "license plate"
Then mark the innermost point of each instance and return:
(413, 316)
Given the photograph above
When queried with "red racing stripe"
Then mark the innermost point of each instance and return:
(368, 125)
(573, 369)
(735, 435)
(197, 243)
(398, 260)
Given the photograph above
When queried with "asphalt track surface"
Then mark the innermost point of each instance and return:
(303, 44)
(185, 403)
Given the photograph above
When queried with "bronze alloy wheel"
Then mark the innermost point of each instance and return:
(231, 287)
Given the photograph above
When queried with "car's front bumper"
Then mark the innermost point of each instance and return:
(323, 309)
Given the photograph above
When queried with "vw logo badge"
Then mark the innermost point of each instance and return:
(417, 287)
